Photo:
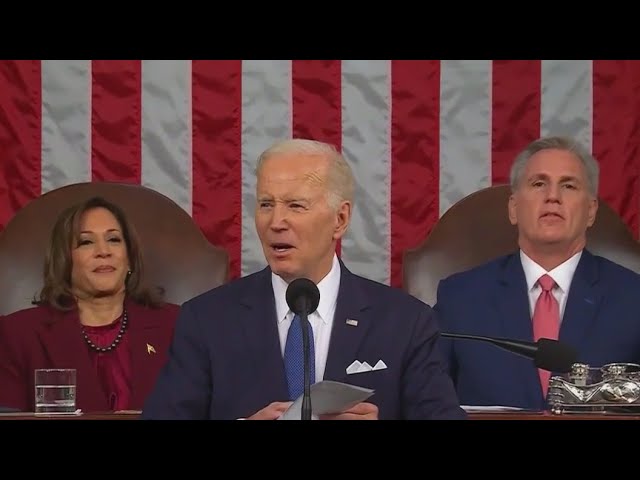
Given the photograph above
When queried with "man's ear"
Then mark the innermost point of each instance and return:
(513, 217)
(343, 218)
(593, 210)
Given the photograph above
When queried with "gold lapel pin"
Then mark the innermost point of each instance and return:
(353, 323)
(150, 349)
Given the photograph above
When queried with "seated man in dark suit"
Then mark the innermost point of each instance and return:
(229, 358)
(552, 287)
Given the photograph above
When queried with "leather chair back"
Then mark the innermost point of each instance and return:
(176, 253)
(477, 229)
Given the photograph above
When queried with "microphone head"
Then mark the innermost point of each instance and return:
(555, 356)
(303, 296)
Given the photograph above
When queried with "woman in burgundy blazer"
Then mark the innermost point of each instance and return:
(94, 314)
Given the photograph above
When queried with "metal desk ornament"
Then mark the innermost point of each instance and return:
(612, 388)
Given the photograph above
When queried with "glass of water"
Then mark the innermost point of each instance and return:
(55, 390)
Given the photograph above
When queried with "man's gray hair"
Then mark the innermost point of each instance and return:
(340, 181)
(590, 164)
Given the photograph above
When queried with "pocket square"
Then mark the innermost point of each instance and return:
(361, 367)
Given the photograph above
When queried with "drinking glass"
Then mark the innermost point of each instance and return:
(55, 390)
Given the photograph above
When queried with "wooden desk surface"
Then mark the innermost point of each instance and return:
(84, 416)
(549, 416)
(472, 416)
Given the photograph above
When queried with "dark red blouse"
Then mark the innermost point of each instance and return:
(112, 368)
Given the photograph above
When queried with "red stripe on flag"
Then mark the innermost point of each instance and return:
(415, 156)
(20, 135)
(116, 120)
(616, 135)
(217, 167)
(516, 93)
(317, 102)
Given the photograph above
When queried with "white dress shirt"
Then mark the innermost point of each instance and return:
(562, 275)
(321, 320)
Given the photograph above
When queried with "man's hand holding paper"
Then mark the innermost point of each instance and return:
(335, 400)
(360, 411)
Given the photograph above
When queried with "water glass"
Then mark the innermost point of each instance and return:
(55, 390)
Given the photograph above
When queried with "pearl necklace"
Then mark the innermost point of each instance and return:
(114, 344)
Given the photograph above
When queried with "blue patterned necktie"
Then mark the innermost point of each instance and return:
(294, 359)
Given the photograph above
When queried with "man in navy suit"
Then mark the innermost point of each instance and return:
(227, 360)
(552, 287)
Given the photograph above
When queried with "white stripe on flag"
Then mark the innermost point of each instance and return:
(465, 126)
(567, 97)
(66, 118)
(366, 112)
(166, 129)
(266, 118)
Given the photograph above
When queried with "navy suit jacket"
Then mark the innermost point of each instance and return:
(226, 363)
(601, 320)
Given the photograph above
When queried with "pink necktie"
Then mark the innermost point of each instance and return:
(546, 321)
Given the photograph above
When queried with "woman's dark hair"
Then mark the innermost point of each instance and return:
(57, 291)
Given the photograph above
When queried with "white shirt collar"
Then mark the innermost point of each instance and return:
(562, 274)
(328, 287)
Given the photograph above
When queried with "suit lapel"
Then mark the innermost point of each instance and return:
(346, 337)
(513, 306)
(582, 303)
(260, 327)
(146, 338)
(62, 341)
(513, 301)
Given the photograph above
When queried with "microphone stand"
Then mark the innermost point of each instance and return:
(306, 395)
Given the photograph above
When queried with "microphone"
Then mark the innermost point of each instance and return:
(303, 298)
(546, 353)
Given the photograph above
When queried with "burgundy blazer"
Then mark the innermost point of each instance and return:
(41, 337)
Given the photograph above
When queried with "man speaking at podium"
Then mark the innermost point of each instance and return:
(552, 287)
(236, 351)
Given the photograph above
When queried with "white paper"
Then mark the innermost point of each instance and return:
(77, 412)
(328, 397)
(490, 408)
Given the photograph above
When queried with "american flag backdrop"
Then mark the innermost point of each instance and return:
(420, 135)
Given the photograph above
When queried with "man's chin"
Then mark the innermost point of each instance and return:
(550, 244)
(282, 270)
(284, 275)
(552, 239)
